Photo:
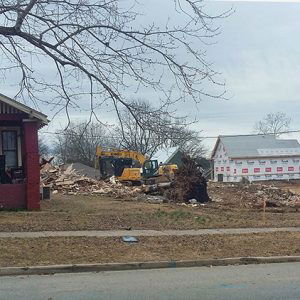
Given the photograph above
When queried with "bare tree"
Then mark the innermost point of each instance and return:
(78, 142)
(98, 50)
(44, 149)
(189, 141)
(273, 123)
(151, 129)
(146, 130)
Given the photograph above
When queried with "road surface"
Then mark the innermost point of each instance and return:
(272, 281)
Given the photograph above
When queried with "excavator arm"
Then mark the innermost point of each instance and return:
(122, 154)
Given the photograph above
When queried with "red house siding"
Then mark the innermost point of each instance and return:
(24, 190)
(31, 165)
(13, 196)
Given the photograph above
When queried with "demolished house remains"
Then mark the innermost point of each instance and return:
(67, 180)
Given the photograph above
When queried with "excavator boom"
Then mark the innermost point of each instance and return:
(122, 154)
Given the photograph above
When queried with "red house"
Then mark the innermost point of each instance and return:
(19, 155)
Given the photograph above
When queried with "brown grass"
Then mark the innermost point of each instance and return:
(103, 213)
(76, 250)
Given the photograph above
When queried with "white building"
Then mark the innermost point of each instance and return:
(255, 157)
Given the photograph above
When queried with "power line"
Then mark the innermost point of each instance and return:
(202, 137)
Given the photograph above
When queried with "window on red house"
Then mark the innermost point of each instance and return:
(290, 168)
(268, 169)
(244, 171)
(9, 148)
(279, 169)
(222, 169)
(256, 170)
(227, 168)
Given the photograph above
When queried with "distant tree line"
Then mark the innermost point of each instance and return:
(146, 131)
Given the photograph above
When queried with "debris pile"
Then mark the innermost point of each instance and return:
(188, 183)
(68, 181)
(253, 195)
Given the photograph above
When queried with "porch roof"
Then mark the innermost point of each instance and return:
(20, 107)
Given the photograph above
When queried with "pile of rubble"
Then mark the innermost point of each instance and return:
(68, 181)
(253, 195)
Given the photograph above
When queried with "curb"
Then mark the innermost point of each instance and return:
(54, 269)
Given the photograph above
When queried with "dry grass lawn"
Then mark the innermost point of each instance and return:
(76, 250)
(71, 212)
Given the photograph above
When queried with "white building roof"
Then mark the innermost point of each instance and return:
(242, 146)
(165, 155)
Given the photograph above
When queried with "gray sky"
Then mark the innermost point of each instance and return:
(258, 56)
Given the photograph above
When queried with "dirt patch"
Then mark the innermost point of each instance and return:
(76, 250)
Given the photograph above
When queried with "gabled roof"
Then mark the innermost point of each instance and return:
(165, 155)
(239, 146)
(25, 109)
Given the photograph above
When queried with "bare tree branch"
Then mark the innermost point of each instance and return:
(158, 129)
(102, 43)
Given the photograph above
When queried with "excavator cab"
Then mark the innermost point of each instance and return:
(150, 168)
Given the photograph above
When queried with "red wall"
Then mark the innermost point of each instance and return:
(31, 165)
(12, 196)
(25, 195)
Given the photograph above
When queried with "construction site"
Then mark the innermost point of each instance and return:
(79, 201)
(149, 149)
(162, 205)
(81, 204)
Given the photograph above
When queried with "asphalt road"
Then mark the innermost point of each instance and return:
(272, 281)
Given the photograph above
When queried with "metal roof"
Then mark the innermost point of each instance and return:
(238, 146)
(165, 155)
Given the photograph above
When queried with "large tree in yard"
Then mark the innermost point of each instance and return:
(98, 49)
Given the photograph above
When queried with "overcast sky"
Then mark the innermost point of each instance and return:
(258, 56)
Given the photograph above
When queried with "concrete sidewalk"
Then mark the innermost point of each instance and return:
(118, 233)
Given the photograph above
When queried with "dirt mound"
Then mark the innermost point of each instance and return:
(189, 183)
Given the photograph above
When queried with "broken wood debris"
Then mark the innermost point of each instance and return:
(68, 181)
(255, 195)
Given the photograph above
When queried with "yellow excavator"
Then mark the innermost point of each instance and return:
(132, 167)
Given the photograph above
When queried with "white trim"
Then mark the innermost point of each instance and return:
(26, 109)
